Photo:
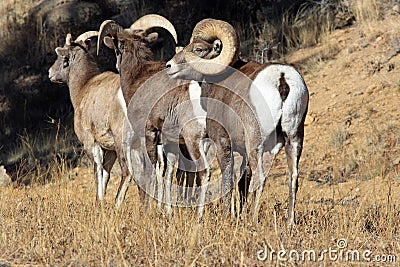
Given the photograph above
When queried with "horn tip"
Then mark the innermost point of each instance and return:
(68, 39)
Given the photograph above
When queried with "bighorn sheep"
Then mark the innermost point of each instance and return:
(98, 108)
(271, 105)
(156, 100)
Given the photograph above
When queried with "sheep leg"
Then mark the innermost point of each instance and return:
(131, 160)
(256, 164)
(280, 142)
(126, 178)
(189, 187)
(243, 183)
(293, 149)
(200, 180)
(171, 161)
(123, 149)
(152, 188)
(98, 156)
(180, 177)
(127, 164)
(226, 163)
(159, 172)
(206, 145)
(150, 144)
(168, 182)
(160, 165)
(218, 134)
(123, 188)
(204, 176)
(108, 162)
(184, 167)
(193, 144)
(160, 188)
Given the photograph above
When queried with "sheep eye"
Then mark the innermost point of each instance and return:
(66, 62)
(198, 49)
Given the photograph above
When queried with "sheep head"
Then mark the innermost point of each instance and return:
(135, 39)
(213, 47)
(68, 55)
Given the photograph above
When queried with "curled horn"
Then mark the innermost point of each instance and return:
(210, 30)
(153, 20)
(68, 40)
(107, 27)
(86, 35)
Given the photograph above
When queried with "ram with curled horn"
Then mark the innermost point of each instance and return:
(98, 109)
(270, 101)
(157, 100)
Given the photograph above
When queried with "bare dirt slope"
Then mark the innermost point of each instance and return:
(353, 127)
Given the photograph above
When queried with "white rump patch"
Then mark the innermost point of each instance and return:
(296, 103)
(264, 94)
(265, 97)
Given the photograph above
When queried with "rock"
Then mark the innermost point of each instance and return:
(5, 264)
(71, 14)
(349, 200)
(309, 119)
(374, 88)
(358, 93)
(379, 39)
(396, 8)
(5, 179)
(343, 19)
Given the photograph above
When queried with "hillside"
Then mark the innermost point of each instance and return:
(353, 130)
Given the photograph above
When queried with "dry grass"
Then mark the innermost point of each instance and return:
(295, 28)
(61, 224)
(12, 13)
(43, 156)
(365, 10)
(339, 137)
(11, 22)
(307, 27)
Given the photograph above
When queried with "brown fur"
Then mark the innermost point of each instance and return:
(242, 134)
(284, 88)
(98, 116)
(155, 97)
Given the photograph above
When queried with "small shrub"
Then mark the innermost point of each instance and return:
(338, 138)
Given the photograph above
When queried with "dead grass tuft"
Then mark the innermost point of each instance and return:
(365, 10)
(42, 157)
(95, 234)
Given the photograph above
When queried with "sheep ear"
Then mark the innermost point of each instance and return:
(62, 52)
(217, 46)
(88, 44)
(109, 42)
(178, 49)
(152, 37)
